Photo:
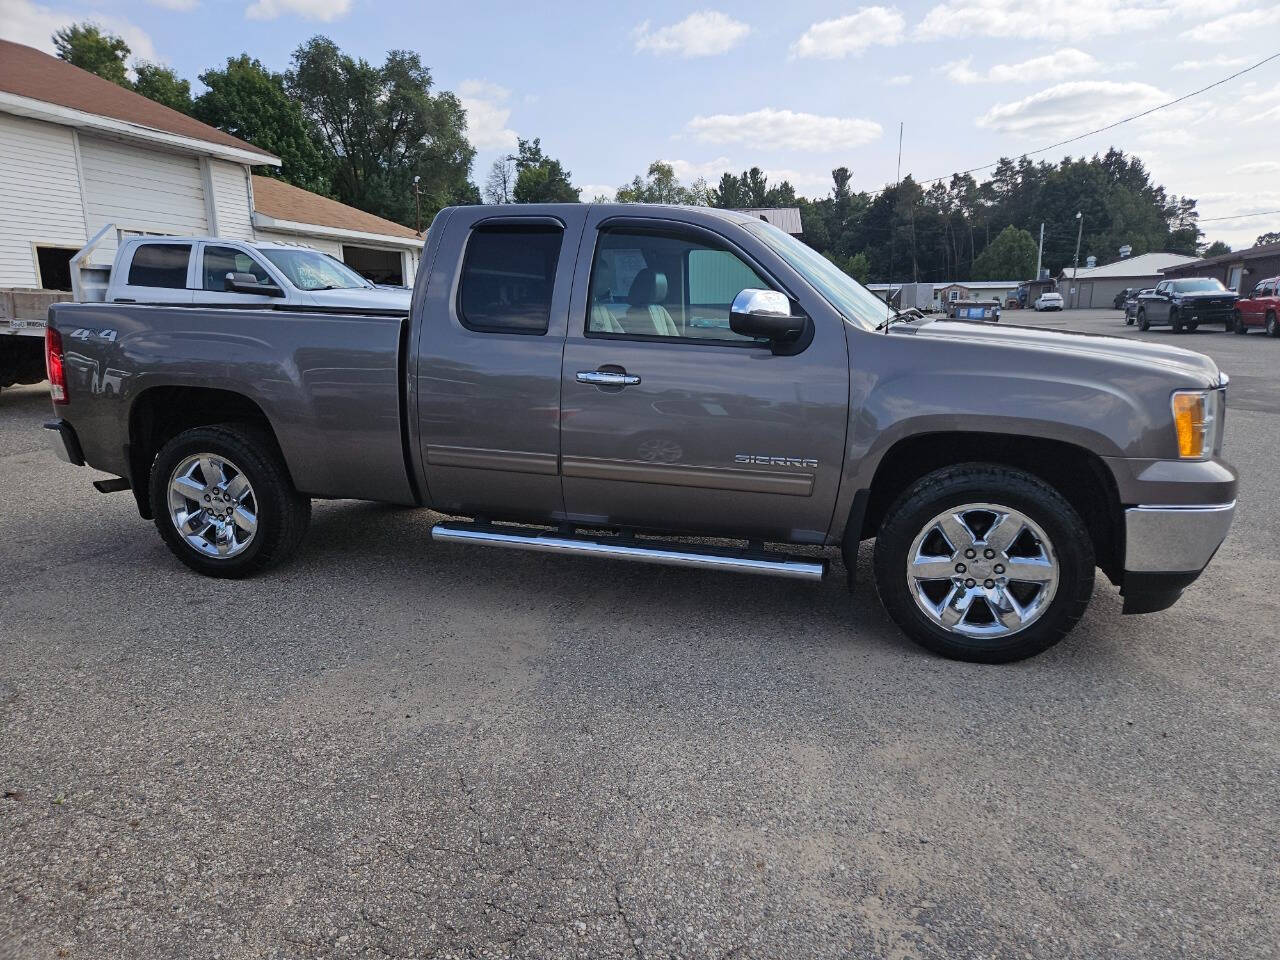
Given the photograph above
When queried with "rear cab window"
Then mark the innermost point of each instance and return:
(160, 265)
(508, 278)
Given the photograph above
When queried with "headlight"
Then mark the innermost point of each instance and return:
(1196, 418)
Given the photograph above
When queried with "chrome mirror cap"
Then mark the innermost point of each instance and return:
(761, 303)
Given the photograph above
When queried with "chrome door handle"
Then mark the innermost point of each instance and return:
(607, 378)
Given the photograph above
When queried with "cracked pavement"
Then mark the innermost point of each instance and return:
(395, 748)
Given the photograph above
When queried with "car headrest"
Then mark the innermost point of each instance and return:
(648, 287)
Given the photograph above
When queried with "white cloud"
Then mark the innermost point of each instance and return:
(1269, 168)
(32, 24)
(487, 115)
(709, 170)
(1067, 107)
(1053, 66)
(1212, 62)
(706, 33)
(1233, 26)
(324, 10)
(865, 27)
(901, 80)
(592, 190)
(784, 128)
(1049, 19)
(182, 5)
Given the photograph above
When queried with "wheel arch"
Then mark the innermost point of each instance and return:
(1076, 472)
(158, 414)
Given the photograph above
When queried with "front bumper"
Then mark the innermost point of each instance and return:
(1166, 548)
(62, 438)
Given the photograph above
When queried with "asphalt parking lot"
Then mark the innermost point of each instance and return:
(395, 748)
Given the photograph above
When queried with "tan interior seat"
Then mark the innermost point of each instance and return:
(646, 315)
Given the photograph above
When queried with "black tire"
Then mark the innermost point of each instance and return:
(1174, 321)
(1192, 327)
(1004, 486)
(1143, 325)
(282, 513)
(1238, 323)
(1273, 329)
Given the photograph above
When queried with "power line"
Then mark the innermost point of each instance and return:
(1239, 216)
(1112, 126)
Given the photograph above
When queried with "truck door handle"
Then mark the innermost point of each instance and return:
(608, 378)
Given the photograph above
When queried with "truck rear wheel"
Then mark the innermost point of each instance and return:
(223, 502)
(984, 563)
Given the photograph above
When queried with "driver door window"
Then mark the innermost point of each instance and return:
(217, 262)
(657, 286)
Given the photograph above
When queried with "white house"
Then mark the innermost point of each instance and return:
(78, 152)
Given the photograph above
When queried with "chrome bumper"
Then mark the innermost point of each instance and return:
(1173, 539)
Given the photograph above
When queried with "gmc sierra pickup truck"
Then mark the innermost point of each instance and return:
(674, 385)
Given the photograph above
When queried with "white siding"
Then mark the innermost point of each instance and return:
(323, 244)
(140, 190)
(231, 199)
(39, 195)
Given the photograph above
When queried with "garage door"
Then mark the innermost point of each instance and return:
(141, 191)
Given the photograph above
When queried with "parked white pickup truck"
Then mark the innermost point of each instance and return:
(212, 270)
(187, 271)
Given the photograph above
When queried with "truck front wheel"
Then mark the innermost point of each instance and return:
(223, 502)
(984, 563)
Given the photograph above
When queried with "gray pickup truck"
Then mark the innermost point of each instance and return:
(673, 385)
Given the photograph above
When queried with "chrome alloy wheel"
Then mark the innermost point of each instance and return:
(982, 570)
(212, 505)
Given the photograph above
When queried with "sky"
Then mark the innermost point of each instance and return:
(797, 88)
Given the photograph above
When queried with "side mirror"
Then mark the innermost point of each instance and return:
(248, 283)
(764, 313)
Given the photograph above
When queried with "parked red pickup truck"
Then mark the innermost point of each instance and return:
(1260, 309)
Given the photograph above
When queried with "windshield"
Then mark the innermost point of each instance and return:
(851, 299)
(311, 270)
(1193, 286)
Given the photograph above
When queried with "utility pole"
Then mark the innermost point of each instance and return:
(417, 205)
(1040, 254)
(1075, 264)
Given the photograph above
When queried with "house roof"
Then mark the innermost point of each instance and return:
(33, 75)
(1146, 265)
(784, 218)
(1237, 256)
(284, 202)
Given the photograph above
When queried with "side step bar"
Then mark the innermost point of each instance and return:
(642, 551)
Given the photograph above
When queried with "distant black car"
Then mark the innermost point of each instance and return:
(1123, 297)
(1186, 303)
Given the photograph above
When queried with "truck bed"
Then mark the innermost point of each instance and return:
(328, 382)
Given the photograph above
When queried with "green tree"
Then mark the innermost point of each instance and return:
(164, 86)
(539, 178)
(1272, 237)
(250, 102)
(1216, 249)
(383, 126)
(752, 189)
(88, 47)
(1010, 256)
(661, 185)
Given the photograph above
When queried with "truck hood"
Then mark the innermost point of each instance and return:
(1198, 296)
(380, 298)
(1195, 368)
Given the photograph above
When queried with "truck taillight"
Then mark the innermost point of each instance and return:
(54, 365)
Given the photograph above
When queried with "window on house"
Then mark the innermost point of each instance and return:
(54, 265)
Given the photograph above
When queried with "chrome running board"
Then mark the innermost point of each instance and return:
(642, 551)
